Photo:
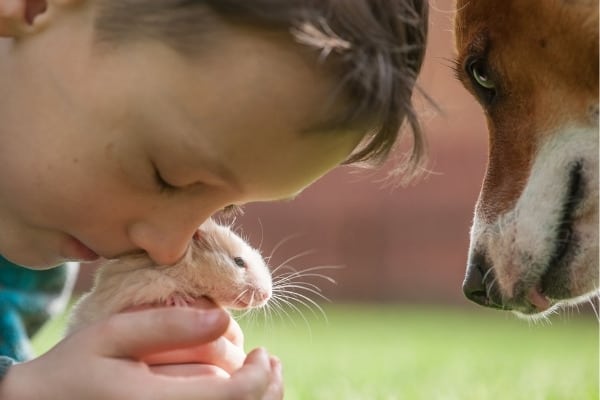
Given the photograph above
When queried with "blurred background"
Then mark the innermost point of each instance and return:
(397, 325)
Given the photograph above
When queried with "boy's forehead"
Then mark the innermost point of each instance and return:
(253, 53)
(247, 74)
(260, 68)
(374, 56)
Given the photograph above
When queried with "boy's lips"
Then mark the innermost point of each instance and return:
(73, 249)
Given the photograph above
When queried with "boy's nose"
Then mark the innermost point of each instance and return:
(164, 244)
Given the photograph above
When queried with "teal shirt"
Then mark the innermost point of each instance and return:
(28, 298)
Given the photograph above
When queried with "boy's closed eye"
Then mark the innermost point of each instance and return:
(163, 185)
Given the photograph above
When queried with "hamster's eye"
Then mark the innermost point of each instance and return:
(239, 261)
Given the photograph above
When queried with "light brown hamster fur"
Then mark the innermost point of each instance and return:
(219, 264)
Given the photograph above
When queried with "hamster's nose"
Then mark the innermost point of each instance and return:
(260, 297)
(164, 246)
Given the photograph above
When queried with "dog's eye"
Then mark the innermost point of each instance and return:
(480, 75)
(483, 83)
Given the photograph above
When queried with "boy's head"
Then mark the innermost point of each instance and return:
(372, 48)
(130, 122)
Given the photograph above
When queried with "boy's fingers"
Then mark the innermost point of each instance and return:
(135, 334)
(252, 381)
(255, 375)
(275, 389)
(221, 353)
(189, 370)
(234, 334)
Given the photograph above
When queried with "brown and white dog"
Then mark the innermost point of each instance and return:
(533, 67)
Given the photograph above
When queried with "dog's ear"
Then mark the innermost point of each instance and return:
(21, 17)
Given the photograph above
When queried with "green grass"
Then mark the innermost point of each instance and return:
(376, 352)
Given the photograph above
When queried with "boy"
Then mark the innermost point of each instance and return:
(127, 123)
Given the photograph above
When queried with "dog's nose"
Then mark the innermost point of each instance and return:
(479, 284)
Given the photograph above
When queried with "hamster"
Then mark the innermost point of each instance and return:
(219, 264)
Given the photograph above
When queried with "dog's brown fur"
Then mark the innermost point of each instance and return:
(531, 246)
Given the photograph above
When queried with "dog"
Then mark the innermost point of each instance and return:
(533, 67)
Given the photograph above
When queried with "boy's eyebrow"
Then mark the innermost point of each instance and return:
(341, 120)
(321, 126)
(333, 123)
(338, 119)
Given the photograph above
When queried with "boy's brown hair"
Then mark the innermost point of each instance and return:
(376, 47)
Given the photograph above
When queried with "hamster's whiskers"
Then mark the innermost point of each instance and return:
(293, 293)
(281, 243)
(239, 296)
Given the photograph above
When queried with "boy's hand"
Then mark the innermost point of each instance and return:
(101, 361)
(219, 357)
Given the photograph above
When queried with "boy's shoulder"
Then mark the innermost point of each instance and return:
(17, 277)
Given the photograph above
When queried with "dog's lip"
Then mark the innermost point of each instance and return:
(537, 299)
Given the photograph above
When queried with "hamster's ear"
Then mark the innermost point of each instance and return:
(208, 225)
(21, 17)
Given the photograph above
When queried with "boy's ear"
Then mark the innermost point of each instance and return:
(20, 17)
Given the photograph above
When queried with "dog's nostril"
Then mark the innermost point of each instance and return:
(478, 284)
(473, 286)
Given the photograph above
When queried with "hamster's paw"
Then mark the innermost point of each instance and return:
(178, 300)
